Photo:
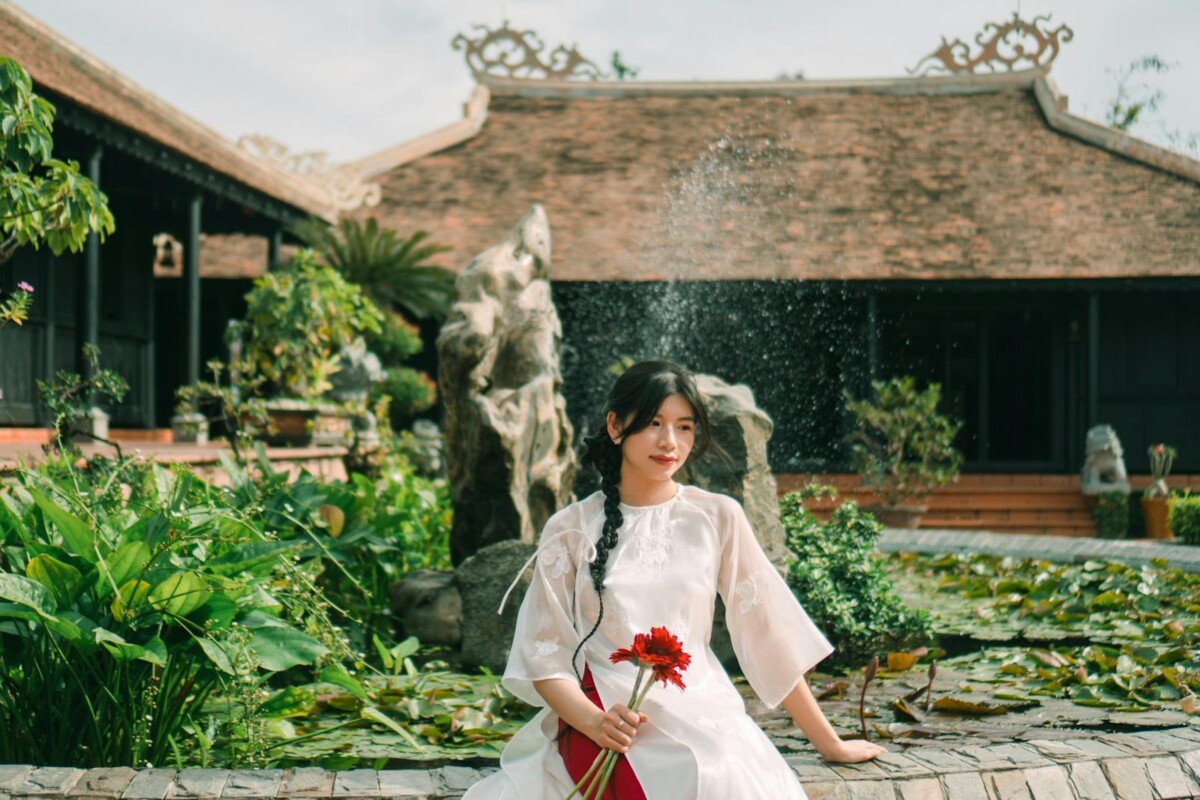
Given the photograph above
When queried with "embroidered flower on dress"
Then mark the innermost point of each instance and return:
(544, 648)
(654, 548)
(554, 560)
(748, 594)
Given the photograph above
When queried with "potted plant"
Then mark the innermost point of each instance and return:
(1157, 494)
(902, 447)
(298, 320)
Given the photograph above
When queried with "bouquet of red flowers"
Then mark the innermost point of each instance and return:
(657, 653)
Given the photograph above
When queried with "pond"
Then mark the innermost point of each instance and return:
(1020, 645)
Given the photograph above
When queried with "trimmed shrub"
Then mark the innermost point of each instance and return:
(1184, 518)
(1112, 515)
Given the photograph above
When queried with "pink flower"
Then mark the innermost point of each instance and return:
(25, 287)
(1158, 448)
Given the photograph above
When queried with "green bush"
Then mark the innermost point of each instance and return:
(406, 393)
(843, 584)
(128, 595)
(1112, 515)
(297, 320)
(1184, 519)
(901, 445)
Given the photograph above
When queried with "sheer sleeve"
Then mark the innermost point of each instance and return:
(545, 636)
(775, 641)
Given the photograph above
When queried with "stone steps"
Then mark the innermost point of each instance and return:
(1151, 764)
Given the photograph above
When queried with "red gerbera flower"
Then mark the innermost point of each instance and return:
(660, 651)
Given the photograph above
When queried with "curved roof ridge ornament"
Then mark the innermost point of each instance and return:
(507, 52)
(998, 51)
(342, 185)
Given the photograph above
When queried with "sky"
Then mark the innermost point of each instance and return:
(355, 76)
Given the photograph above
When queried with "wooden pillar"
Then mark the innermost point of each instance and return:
(191, 291)
(89, 328)
(1093, 358)
(274, 245)
(50, 331)
(983, 421)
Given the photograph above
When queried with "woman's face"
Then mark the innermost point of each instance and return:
(655, 453)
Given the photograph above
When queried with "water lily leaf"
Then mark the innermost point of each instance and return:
(292, 701)
(905, 712)
(955, 705)
(63, 580)
(898, 662)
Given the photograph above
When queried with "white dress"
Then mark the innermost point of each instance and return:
(670, 562)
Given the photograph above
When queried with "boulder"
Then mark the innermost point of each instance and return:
(742, 430)
(429, 607)
(508, 439)
(482, 580)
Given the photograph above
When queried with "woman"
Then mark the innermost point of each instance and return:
(646, 552)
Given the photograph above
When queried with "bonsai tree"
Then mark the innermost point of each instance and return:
(901, 445)
(297, 321)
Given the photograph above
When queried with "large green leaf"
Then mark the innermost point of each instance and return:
(132, 595)
(180, 594)
(29, 593)
(124, 564)
(117, 646)
(251, 556)
(216, 654)
(216, 614)
(63, 580)
(280, 648)
(77, 534)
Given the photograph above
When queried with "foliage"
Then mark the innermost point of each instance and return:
(42, 199)
(69, 396)
(1112, 515)
(393, 271)
(842, 584)
(406, 393)
(901, 445)
(1184, 518)
(405, 716)
(130, 594)
(297, 320)
(394, 523)
(1135, 100)
(225, 402)
(16, 308)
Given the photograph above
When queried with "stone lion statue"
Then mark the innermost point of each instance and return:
(1104, 465)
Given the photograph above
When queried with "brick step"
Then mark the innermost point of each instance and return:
(999, 502)
(1047, 530)
(1056, 517)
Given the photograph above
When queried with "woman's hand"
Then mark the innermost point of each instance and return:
(615, 728)
(852, 751)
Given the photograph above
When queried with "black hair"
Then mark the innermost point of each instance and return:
(636, 396)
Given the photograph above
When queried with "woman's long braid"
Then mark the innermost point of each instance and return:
(605, 456)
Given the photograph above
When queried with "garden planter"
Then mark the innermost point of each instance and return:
(332, 427)
(1154, 512)
(898, 516)
(189, 429)
(289, 427)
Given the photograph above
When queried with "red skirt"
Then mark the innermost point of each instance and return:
(578, 752)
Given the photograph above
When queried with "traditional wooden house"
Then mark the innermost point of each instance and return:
(803, 236)
(196, 217)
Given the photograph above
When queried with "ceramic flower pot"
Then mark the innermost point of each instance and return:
(1154, 512)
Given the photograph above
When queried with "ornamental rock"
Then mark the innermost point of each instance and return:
(508, 439)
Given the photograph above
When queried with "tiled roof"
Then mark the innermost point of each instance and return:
(973, 177)
(60, 66)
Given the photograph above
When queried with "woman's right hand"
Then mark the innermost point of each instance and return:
(616, 727)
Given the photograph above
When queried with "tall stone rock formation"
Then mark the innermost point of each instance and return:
(742, 430)
(508, 439)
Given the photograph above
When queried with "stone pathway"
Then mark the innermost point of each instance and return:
(1156, 765)
(1051, 548)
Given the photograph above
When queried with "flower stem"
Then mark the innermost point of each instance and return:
(587, 776)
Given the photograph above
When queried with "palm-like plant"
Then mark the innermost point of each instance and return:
(392, 270)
